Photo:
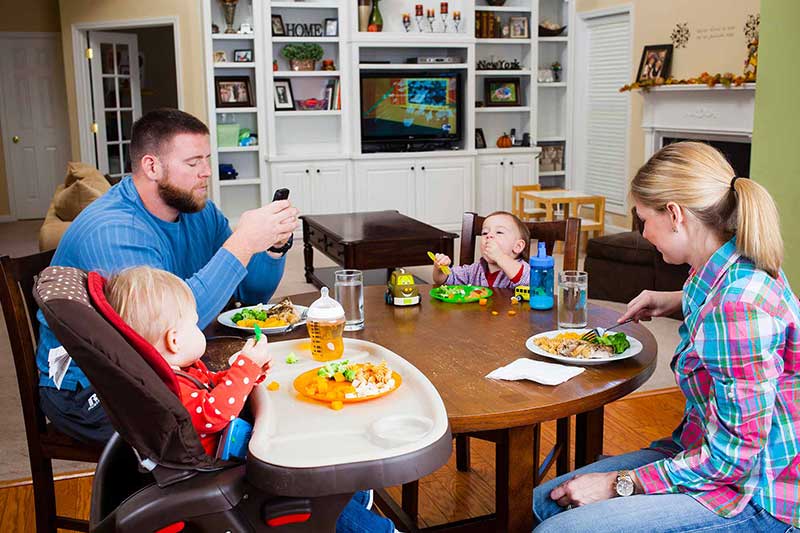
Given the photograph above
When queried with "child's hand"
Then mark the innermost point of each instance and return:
(492, 251)
(257, 351)
(442, 260)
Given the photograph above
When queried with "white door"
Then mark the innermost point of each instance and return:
(445, 189)
(295, 177)
(385, 185)
(117, 98)
(329, 188)
(34, 121)
(490, 184)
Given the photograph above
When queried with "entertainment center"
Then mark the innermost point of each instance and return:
(391, 122)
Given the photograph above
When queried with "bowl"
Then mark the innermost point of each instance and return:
(547, 32)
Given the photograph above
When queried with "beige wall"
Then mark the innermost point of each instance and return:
(653, 22)
(30, 15)
(190, 32)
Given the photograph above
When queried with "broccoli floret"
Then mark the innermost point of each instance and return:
(349, 374)
(291, 358)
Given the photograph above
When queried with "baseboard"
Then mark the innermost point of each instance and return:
(7, 218)
(58, 477)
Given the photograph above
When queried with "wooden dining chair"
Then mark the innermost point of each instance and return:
(519, 205)
(45, 443)
(569, 232)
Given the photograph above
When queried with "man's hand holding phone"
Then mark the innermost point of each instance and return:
(270, 226)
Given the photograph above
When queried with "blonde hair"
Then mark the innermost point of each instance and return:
(522, 229)
(697, 177)
(149, 300)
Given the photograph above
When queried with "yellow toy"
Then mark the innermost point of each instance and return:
(401, 289)
(522, 292)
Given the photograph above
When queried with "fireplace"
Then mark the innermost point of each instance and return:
(719, 116)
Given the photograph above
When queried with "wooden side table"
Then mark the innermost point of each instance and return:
(372, 240)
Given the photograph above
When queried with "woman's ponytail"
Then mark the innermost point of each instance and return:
(758, 234)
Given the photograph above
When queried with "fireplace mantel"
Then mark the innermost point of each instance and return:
(697, 112)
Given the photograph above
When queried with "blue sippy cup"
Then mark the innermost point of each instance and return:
(541, 284)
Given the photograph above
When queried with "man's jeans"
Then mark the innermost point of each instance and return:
(645, 513)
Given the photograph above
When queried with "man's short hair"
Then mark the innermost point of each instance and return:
(155, 129)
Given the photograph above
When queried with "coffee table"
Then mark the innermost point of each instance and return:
(371, 240)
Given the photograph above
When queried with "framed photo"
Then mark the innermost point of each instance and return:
(220, 56)
(233, 91)
(284, 99)
(277, 25)
(480, 140)
(655, 63)
(242, 56)
(519, 27)
(501, 92)
(331, 27)
(552, 157)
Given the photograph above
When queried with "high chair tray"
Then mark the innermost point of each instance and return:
(301, 444)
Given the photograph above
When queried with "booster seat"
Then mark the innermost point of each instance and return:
(184, 489)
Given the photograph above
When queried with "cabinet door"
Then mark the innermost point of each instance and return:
(295, 177)
(445, 190)
(329, 188)
(520, 172)
(384, 185)
(489, 185)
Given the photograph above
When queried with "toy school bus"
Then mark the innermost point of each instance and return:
(522, 292)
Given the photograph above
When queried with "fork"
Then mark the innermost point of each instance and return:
(292, 327)
(594, 333)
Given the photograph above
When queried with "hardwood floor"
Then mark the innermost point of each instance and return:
(445, 496)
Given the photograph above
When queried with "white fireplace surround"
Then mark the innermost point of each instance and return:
(697, 112)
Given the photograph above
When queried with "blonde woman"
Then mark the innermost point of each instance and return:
(733, 464)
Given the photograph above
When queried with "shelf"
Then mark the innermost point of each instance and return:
(413, 155)
(551, 139)
(221, 110)
(223, 149)
(509, 109)
(553, 85)
(305, 39)
(232, 36)
(309, 5)
(559, 39)
(395, 39)
(506, 9)
(503, 41)
(551, 173)
(512, 150)
(507, 72)
(240, 181)
(309, 113)
(305, 73)
(412, 66)
(248, 64)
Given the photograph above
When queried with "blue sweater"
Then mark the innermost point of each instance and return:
(116, 232)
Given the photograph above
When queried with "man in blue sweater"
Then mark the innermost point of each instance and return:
(160, 217)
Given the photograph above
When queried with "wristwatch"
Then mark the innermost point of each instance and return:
(624, 483)
(282, 249)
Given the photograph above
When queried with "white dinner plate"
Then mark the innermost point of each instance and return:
(226, 319)
(634, 349)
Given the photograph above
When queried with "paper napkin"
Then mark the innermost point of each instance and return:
(544, 373)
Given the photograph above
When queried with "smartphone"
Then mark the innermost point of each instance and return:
(280, 194)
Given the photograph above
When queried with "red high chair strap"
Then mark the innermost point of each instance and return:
(96, 283)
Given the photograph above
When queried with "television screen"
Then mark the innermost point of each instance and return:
(408, 106)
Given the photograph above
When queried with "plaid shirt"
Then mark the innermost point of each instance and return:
(738, 364)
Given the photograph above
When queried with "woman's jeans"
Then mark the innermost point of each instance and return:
(648, 513)
(356, 518)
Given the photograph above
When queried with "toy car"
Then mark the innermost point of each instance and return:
(522, 292)
(401, 289)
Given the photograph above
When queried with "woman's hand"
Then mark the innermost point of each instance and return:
(652, 303)
(585, 489)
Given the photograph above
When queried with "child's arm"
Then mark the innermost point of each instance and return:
(508, 264)
(441, 260)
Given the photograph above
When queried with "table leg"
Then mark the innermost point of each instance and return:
(410, 501)
(514, 479)
(548, 211)
(588, 437)
(308, 255)
(562, 438)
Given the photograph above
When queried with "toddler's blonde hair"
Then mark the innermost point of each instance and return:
(149, 300)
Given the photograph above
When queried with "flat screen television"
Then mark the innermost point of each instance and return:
(412, 107)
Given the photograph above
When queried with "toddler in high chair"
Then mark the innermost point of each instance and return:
(161, 308)
(503, 263)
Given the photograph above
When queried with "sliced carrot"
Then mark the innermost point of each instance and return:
(337, 405)
(274, 385)
(483, 301)
(514, 301)
(511, 312)
(495, 313)
(339, 377)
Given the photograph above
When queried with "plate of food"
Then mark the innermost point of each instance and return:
(460, 294)
(271, 318)
(347, 382)
(566, 346)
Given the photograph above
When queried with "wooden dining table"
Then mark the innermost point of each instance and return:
(455, 346)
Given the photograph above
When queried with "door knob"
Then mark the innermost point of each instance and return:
(15, 139)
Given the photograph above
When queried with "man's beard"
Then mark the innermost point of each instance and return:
(180, 199)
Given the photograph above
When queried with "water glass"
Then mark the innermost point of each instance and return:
(572, 291)
(348, 289)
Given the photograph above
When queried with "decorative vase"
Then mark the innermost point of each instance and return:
(496, 3)
(375, 18)
(229, 9)
(302, 64)
(364, 11)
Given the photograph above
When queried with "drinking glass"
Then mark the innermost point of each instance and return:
(348, 290)
(572, 290)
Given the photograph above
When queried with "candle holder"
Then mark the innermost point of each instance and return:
(419, 18)
(431, 18)
(406, 21)
(444, 22)
(456, 19)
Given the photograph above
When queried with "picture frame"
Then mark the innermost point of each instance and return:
(220, 56)
(233, 91)
(551, 158)
(499, 92)
(480, 139)
(519, 28)
(278, 28)
(656, 62)
(331, 27)
(284, 98)
(243, 56)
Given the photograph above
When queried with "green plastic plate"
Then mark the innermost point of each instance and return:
(459, 294)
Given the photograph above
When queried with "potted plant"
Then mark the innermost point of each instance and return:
(302, 56)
